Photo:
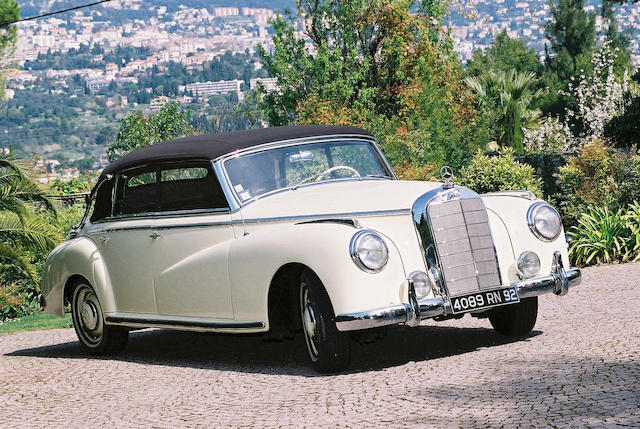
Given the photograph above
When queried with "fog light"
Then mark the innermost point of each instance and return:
(528, 264)
(421, 283)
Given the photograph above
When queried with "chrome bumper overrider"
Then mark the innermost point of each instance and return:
(410, 314)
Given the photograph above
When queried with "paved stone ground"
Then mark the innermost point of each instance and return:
(580, 367)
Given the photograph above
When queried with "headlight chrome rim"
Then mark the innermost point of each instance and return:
(531, 221)
(353, 250)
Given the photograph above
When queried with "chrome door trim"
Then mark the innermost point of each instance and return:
(325, 216)
(186, 323)
(159, 227)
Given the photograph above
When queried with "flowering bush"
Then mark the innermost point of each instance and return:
(600, 96)
(551, 136)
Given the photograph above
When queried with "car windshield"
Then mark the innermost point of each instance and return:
(258, 173)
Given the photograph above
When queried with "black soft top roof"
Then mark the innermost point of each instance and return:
(212, 146)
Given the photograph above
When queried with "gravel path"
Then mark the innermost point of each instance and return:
(580, 367)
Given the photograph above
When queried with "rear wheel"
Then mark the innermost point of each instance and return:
(328, 348)
(516, 320)
(88, 321)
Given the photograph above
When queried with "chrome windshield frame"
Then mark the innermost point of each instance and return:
(235, 202)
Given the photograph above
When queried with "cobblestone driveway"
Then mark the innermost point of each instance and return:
(580, 367)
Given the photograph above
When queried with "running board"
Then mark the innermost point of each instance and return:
(183, 325)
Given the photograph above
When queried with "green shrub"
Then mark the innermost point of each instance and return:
(597, 177)
(499, 173)
(15, 302)
(602, 236)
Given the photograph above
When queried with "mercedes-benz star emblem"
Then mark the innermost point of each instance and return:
(446, 173)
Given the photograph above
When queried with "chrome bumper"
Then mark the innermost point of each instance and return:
(410, 314)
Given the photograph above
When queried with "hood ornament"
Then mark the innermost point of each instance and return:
(447, 174)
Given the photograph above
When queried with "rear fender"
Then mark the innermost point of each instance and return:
(77, 257)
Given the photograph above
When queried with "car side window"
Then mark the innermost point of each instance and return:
(137, 192)
(168, 188)
(190, 188)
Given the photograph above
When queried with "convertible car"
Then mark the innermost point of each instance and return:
(297, 228)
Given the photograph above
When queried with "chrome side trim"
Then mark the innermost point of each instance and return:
(323, 216)
(156, 215)
(340, 221)
(158, 321)
(556, 282)
(159, 227)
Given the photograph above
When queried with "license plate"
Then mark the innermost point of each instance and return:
(485, 299)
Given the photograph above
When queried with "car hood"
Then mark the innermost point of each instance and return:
(339, 198)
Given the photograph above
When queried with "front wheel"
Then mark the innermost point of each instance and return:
(88, 321)
(328, 348)
(516, 320)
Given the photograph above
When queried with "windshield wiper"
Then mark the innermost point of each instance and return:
(377, 176)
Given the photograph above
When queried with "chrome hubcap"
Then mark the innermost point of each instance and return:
(309, 324)
(309, 321)
(89, 316)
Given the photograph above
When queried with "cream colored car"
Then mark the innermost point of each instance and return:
(291, 228)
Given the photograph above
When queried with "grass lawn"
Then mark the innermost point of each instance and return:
(36, 322)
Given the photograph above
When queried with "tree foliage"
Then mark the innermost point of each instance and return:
(508, 97)
(571, 32)
(137, 131)
(9, 11)
(504, 54)
(386, 66)
(21, 229)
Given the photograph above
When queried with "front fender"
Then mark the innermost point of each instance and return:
(512, 213)
(77, 257)
(324, 248)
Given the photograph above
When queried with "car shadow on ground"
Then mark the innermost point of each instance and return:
(251, 354)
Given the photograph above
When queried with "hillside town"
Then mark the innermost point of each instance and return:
(122, 50)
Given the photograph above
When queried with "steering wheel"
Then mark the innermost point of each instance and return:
(319, 176)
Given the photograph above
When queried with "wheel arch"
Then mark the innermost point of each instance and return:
(283, 308)
(75, 259)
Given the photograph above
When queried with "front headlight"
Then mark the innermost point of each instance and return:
(544, 221)
(369, 251)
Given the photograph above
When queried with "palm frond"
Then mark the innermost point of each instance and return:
(30, 232)
(16, 165)
(9, 254)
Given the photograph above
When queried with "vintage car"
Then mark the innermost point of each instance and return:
(297, 228)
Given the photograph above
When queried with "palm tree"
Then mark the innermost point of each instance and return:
(510, 95)
(23, 224)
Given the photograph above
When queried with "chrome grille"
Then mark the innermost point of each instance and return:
(463, 241)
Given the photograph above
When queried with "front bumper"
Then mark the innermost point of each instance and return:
(410, 314)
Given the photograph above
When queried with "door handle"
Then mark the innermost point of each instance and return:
(155, 235)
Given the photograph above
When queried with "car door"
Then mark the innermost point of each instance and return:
(125, 243)
(191, 243)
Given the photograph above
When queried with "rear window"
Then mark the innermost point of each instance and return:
(167, 188)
